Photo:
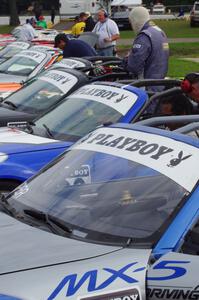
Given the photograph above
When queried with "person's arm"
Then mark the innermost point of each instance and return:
(138, 55)
(113, 32)
(114, 37)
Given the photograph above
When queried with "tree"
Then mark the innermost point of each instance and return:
(14, 18)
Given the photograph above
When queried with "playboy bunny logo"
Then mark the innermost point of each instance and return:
(176, 161)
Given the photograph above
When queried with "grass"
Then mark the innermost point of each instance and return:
(6, 29)
(172, 28)
(179, 67)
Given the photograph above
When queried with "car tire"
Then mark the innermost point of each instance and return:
(7, 186)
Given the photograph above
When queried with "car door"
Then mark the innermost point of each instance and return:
(176, 275)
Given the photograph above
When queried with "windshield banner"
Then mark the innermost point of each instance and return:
(173, 159)
(36, 56)
(70, 63)
(117, 98)
(61, 80)
(19, 45)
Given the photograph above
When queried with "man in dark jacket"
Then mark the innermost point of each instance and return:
(73, 47)
(90, 24)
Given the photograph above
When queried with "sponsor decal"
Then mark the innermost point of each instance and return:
(174, 267)
(162, 154)
(19, 45)
(79, 176)
(36, 56)
(173, 293)
(60, 79)
(3, 157)
(125, 294)
(15, 136)
(137, 46)
(117, 98)
(71, 64)
(72, 283)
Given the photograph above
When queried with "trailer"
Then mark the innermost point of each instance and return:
(120, 11)
(71, 8)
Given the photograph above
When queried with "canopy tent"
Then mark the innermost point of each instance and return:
(129, 3)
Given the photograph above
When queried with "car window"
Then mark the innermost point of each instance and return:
(23, 63)
(197, 7)
(76, 117)
(36, 96)
(191, 240)
(96, 188)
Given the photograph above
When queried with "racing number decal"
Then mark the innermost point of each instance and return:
(176, 271)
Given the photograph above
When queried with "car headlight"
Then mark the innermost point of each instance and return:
(6, 297)
(3, 157)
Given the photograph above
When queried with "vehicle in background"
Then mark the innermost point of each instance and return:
(194, 15)
(26, 149)
(158, 9)
(13, 48)
(40, 94)
(120, 11)
(116, 217)
(71, 8)
(22, 67)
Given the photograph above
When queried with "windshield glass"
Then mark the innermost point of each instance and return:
(87, 108)
(13, 49)
(75, 117)
(197, 7)
(22, 64)
(101, 198)
(36, 97)
(9, 52)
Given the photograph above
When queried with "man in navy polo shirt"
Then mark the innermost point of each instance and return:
(73, 47)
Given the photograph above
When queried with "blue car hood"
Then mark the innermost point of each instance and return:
(14, 141)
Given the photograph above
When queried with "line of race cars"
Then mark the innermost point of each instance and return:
(105, 211)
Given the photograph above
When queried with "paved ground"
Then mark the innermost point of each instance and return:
(193, 59)
(176, 40)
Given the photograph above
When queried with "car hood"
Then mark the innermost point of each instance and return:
(11, 78)
(8, 115)
(42, 265)
(14, 141)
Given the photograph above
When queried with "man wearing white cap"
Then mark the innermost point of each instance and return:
(149, 55)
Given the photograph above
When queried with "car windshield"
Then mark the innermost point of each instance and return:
(102, 197)
(9, 52)
(37, 96)
(22, 64)
(75, 117)
(87, 108)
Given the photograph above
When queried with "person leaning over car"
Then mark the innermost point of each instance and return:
(27, 32)
(108, 33)
(73, 47)
(149, 55)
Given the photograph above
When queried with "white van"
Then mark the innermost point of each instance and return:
(120, 11)
(72, 8)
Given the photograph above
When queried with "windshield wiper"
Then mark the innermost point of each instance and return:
(48, 131)
(53, 224)
(6, 207)
(10, 104)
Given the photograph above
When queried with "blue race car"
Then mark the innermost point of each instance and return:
(123, 206)
(24, 152)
